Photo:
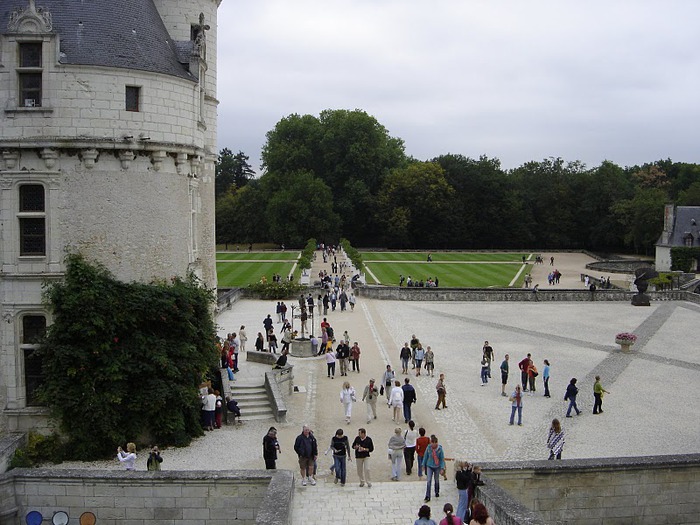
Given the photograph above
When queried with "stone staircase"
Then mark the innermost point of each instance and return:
(386, 503)
(252, 400)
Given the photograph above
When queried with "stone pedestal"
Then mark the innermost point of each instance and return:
(625, 346)
(640, 299)
(301, 348)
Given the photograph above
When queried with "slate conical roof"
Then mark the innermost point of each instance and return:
(113, 33)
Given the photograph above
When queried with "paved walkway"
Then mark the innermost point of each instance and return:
(646, 412)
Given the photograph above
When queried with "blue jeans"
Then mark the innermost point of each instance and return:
(572, 404)
(484, 375)
(520, 414)
(404, 363)
(433, 472)
(421, 467)
(462, 504)
(407, 412)
(340, 464)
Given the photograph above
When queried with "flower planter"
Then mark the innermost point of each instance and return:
(625, 344)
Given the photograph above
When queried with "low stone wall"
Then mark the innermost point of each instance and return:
(395, 293)
(227, 297)
(143, 498)
(619, 265)
(651, 489)
(8, 444)
(276, 396)
(267, 358)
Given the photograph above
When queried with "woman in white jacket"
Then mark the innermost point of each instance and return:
(347, 398)
(396, 402)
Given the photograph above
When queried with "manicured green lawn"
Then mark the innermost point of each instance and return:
(257, 256)
(232, 274)
(474, 275)
(453, 269)
(442, 256)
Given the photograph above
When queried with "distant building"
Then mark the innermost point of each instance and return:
(680, 229)
(107, 147)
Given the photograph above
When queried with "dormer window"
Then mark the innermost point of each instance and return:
(29, 74)
(688, 240)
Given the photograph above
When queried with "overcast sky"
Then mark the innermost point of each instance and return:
(518, 80)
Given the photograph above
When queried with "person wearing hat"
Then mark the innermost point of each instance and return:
(370, 396)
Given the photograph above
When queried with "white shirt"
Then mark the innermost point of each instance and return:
(209, 402)
(128, 459)
(396, 397)
(347, 395)
(411, 436)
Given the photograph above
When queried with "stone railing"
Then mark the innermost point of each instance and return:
(593, 491)
(545, 294)
(227, 297)
(140, 498)
(276, 395)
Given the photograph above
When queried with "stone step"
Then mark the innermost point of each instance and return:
(259, 390)
(253, 404)
(372, 501)
(253, 401)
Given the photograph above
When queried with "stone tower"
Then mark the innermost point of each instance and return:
(107, 148)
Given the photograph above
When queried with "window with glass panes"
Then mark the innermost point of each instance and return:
(29, 74)
(32, 220)
(33, 330)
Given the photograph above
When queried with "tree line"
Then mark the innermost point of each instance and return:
(342, 175)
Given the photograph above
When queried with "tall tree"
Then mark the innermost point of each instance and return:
(642, 217)
(231, 170)
(348, 150)
(300, 208)
(546, 188)
(416, 200)
(240, 215)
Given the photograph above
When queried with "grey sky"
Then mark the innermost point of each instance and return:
(519, 80)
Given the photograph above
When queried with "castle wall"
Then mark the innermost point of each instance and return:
(133, 190)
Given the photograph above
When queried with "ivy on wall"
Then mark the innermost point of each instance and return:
(124, 361)
(683, 258)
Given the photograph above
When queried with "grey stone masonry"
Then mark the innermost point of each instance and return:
(144, 498)
(645, 490)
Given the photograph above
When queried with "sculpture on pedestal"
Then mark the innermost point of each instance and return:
(641, 281)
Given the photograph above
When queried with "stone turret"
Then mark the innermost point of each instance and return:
(107, 147)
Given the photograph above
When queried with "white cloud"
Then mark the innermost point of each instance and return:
(516, 80)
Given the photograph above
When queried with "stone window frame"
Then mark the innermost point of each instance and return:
(134, 102)
(47, 48)
(23, 215)
(30, 379)
(27, 70)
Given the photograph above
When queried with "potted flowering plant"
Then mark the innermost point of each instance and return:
(625, 340)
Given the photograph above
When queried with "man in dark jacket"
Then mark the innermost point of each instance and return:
(307, 449)
(409, 397)
(271, 447)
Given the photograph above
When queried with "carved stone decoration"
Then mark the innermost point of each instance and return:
(157, 158)
(49, 156)
(196, 162)
(10, 158)
(200, 42)
(181, 163)
(30, 20)
(125, 157)
(90, 157)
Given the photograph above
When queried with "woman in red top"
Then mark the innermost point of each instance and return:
(421, 445)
